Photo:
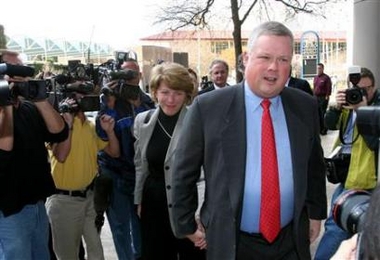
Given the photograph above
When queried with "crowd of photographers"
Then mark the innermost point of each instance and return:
(59, 167)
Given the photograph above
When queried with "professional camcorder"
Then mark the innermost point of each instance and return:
(355, 94)
(85, 104)
(31, 89)
(79, 78)
(205, 83)
(111, 71)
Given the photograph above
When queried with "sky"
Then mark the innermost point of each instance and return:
(119, 23)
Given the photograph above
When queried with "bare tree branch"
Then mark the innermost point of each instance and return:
(181, 14)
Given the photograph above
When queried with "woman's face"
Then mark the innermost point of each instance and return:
(171, 101)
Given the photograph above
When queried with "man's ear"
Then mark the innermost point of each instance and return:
(245, 58)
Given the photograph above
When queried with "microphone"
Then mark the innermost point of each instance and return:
(16, 70)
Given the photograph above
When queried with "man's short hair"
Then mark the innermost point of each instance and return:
(218, 61)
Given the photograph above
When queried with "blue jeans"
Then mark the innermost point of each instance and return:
(25, 235)
(122, 216)
(333, 234)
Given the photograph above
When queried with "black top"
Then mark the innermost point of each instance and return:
(25, 175)
(159, 143)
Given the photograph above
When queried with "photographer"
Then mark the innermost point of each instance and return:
(25, 174)
(358, 153)
(74, 166)
(123, 106)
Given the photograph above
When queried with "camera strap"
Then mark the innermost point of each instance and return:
(349, 127)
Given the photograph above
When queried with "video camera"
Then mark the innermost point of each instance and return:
(355, 94)
(205, 83)
(111, 71)
(87, 102)
(79, 78)
(30, 90)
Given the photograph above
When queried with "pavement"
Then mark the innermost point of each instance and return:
(327, 143)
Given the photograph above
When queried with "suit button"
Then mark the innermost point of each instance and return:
(170, 205)
(168, 187)
(167, 167)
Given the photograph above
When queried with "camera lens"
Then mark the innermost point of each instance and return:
(349, 210)
(354, 95)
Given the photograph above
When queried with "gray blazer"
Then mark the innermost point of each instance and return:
(214, 136)
(143, 132)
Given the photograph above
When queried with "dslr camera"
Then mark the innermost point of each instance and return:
(349, 210)
(355, 94)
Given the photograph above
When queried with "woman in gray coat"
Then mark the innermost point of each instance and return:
(157, 134)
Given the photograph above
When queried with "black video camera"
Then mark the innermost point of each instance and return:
(85, 104)
(30, 90)
(205, 83)
(355, 94)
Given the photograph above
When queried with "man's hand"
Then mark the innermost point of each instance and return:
(315, 228)
(107, 123)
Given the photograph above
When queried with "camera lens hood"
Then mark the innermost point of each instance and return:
(349, 209)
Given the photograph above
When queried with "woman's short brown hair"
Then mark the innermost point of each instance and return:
(175, 76)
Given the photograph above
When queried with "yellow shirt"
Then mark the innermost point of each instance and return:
(80, 166)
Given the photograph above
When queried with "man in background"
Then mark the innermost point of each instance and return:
(322, 90)
(298, 83)
(123, 105)
(219, 74)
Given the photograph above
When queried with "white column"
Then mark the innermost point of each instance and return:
(366, 36)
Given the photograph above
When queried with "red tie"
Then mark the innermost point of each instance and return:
(270, 220)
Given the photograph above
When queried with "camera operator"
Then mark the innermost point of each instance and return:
(121, 213)
(74, 167)
(25, 174)
(358, 153)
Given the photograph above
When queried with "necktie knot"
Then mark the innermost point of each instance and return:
(265, 104)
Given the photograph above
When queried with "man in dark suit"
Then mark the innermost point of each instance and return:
(300, 84)
(218, 74)
(222, 134)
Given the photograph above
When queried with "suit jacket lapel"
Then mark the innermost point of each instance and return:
(147, 131)
(234, 145)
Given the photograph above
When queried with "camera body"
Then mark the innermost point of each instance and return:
(355, 94)
(85, 104)
(205, 83)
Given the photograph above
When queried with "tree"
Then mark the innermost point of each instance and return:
(181, 14)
